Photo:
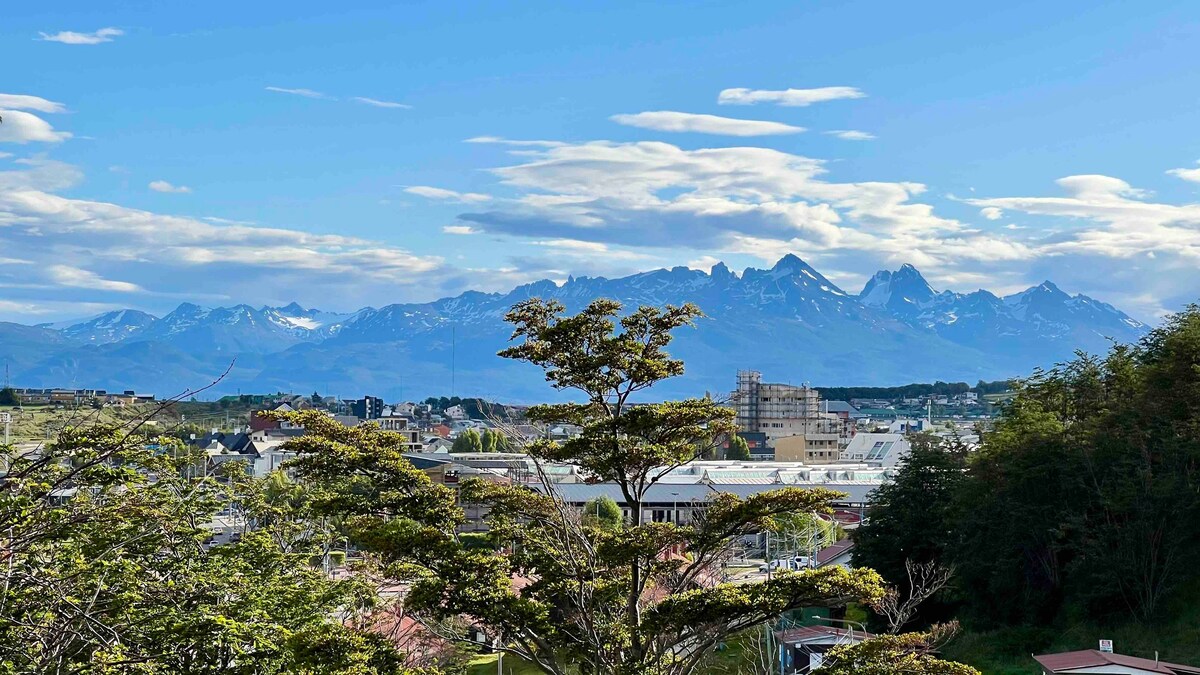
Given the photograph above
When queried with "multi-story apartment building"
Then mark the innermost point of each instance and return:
(779, 410)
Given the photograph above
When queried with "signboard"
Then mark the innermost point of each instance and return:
(1106, 646)
(5, 418)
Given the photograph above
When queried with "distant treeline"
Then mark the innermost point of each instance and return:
(913, 390)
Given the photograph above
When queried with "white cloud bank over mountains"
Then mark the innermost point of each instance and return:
(596, 207)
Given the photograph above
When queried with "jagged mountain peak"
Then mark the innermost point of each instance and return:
(904, 291)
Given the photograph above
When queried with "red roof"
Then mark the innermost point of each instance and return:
(830, 552)
(1066, 662)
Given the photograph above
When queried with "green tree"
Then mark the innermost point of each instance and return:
(738, 448)
(592, 600)
(604, 513)
(106, 567)
(911, 517)
(468, 440)
(494, 440)
(8, 396)
(910, 653)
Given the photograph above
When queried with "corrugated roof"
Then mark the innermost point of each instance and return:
(1067, 662)
(665, 494)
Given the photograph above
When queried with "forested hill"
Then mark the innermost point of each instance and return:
(913, 390)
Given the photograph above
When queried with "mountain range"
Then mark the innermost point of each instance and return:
(788, 321)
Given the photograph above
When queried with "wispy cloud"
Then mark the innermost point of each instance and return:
(667, 120)
(459, 229)
(381, 104)
(787, 97)
(65, 275)
(1192, 175)
(518, 143)
(430, 192)
(307, 93)
(23, 127)
(991, 213)
(68, 37)
(164, 186)
(852, 135)
(26, 102)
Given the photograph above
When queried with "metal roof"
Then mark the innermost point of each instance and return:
(665, 494)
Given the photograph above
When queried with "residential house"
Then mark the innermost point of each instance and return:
(803, 649)
(1087, 661)
(838, 554)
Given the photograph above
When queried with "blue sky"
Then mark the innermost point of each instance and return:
(343, 156)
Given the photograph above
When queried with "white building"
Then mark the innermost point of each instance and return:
(877, 449)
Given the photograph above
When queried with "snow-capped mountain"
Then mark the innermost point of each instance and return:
(788, 321)
(1014, 324)
(110, 327)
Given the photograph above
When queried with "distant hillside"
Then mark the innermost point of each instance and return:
(788, 321)
(914, 390)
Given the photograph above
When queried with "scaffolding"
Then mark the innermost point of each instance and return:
(774, 408)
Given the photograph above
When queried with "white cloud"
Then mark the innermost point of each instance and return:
(787, 97)
(459, 229)
(666, 120)
(381, 104)
(307, 93)
(590, 250)
(26, 102)
(991, 213)
(504, 141)
(22, 127)
(1192, 175)
(74, 277)
(852, 135)
(72, 38)
(430, 192)
(704, 263)
(164, 186)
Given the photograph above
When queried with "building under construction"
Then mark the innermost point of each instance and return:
(779, 410)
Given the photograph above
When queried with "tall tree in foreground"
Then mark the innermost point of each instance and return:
(641, 599)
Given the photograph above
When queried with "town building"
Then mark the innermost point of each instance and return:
(1088, 661)
(367, 408)
(876, 449)
(399, 425)
(803, 648)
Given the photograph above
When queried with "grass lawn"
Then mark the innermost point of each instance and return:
(485, 664)
(38, 423)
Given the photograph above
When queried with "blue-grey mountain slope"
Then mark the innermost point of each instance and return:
(788, 321)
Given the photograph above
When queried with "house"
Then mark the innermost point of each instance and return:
(802, 650)
(1088, 661)
(399, 425)
(838, 554)
(437, 444)
(455, 412)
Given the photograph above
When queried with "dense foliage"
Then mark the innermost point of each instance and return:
(1083, 502)
(108, 567)
(913, 390)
